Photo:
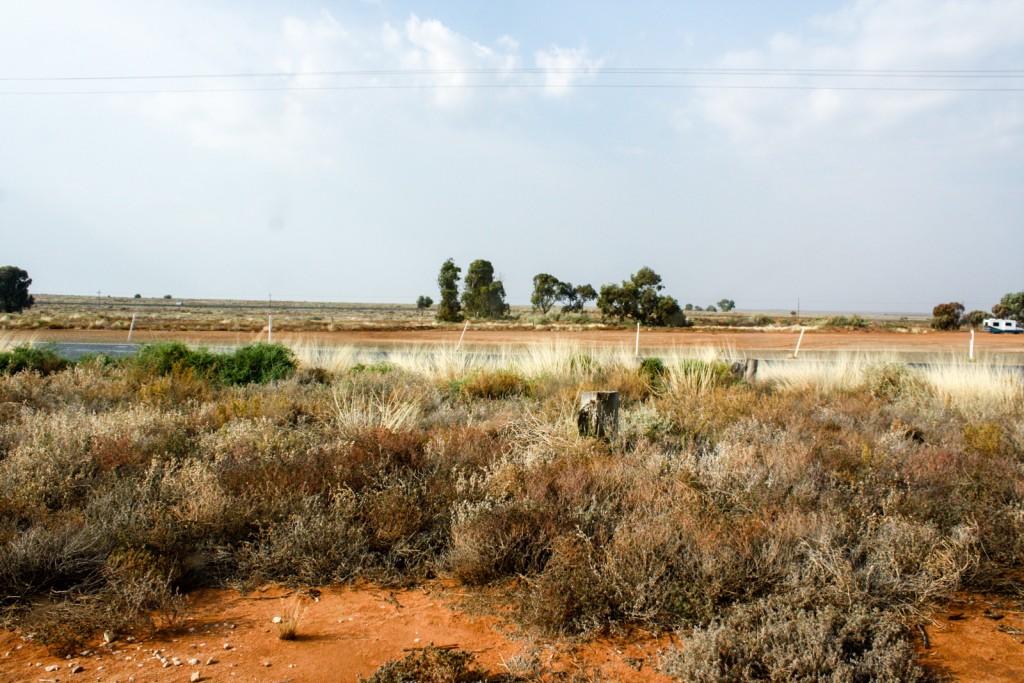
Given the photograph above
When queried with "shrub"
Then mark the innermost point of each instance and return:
(257, 364)
(432, 665)
(887, 381)
(843, 321)
(252, 364)
(28, 359)
(492, 384)
(975, 318)
(653, 369)
(775, 640)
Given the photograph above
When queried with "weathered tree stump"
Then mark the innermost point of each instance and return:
(746, 369)
(599, 414)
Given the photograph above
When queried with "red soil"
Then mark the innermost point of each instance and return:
(348, 632)
(345, 634)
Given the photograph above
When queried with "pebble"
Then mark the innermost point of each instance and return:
(266, 663)
(195, 677)
(175, 661)
(52, 667)
(276, 620)
(211, 661)
(227, 646)
(193, 662)
(77, 669)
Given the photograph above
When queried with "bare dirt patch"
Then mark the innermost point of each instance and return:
(977, 638)
(345, 633)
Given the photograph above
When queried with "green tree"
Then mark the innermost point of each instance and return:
(639, 299)
(576, 298)
(482, 295)
(14, 296)
(424, 302)
(947, 316)
(1011, 306)
(547, 289)
(975, 318)
(727, 304)
(449, 310)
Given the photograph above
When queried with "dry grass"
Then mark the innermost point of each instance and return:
(288, 627)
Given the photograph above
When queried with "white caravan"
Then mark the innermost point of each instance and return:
(999, 325)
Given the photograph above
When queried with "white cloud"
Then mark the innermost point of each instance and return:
(866, 35)
(564, 67)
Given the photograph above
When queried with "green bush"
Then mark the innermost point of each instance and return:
(25, 358)
(256, 364)
(252, 364)
(652, 368)
(164, 358)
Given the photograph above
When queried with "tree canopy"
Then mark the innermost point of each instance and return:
(483, 296)
(1011, 306)
(449, 310)
(14, 296)
(638, 299)
(947, 316)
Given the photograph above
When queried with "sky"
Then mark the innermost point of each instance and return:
(856, 156)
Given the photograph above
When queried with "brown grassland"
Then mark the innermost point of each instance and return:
(801, 527)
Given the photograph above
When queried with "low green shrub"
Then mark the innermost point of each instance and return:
(28, 359)
(252, 364)
(653, 368)
(256, 364)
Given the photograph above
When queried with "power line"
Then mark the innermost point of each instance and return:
(659, 71)
(521, 86)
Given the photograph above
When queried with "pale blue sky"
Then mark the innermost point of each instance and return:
(849, 199)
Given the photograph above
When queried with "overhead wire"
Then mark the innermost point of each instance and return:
(954, 75)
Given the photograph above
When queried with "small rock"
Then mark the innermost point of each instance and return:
(211, 661)
(52, 667)
(193, 662)
(227, 646)
(191, 629)
(77, 669)
(266, 663)
(175, 661)
(195, 677)
(276, 620)
(232, 626)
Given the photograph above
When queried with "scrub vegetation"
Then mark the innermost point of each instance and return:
(819, 512)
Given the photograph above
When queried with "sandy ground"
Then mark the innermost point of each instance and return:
(346, 633)
(978, 638)
(343, 635)
(746, 340)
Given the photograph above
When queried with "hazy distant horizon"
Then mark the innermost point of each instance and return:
(860, 155)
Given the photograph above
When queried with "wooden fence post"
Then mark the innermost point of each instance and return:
(599, 414)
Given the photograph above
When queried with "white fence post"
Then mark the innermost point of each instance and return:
(797, 351)
(131, 327)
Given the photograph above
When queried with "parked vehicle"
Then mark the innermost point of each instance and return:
(1000, 325)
